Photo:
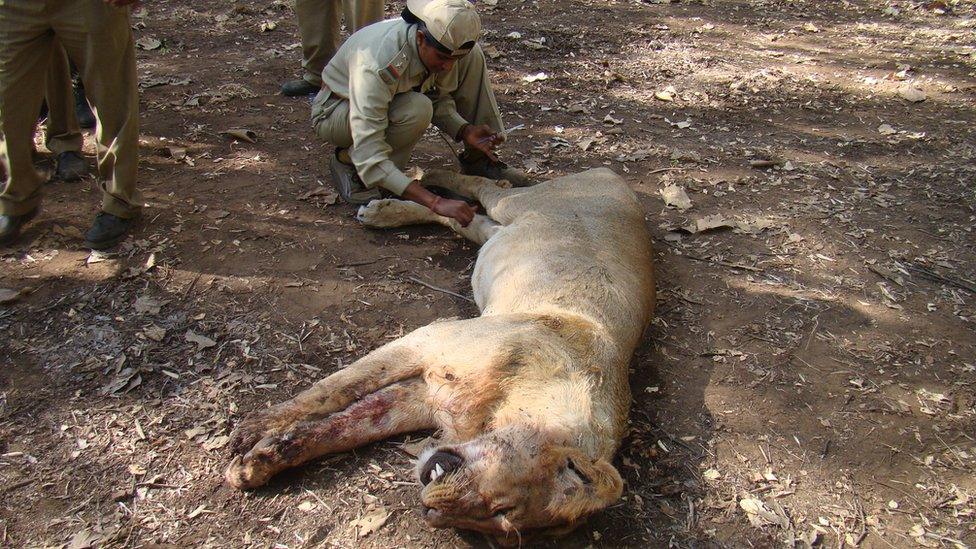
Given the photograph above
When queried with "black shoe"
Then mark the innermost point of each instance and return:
(107, 231)
(86, 118)
(10, 225)
(482, 166)
(299, 88)
(71, 166)
(348, 184)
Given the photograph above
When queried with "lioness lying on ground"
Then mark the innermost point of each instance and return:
(531, 398)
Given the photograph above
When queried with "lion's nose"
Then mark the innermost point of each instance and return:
(438, 465)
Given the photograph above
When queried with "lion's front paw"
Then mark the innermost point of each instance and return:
(247, 434)
(376, 213)
(262, 461)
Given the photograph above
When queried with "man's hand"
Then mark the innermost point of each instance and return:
(456, 209)
(482, 138)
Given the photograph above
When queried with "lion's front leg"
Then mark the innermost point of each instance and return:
(395, 361)
(398, 408)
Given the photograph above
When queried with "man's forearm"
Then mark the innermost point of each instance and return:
(417, 193)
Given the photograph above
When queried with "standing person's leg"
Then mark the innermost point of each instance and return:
(476, 103)
(318, 26)
(98, 37)
(25, 52)
(62, 132)
(360, 13)
(86, 118)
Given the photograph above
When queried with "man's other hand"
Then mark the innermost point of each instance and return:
(481, 138)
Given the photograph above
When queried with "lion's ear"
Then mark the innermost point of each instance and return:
(605, 483)
(593, 485)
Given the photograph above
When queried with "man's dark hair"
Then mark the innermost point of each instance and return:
(410, 18)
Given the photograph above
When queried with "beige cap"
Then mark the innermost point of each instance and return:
(453, 23)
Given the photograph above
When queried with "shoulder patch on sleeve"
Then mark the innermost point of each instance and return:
(391, 73)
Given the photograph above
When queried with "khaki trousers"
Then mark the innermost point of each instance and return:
(98, 38)
(62, 133)
(318, 25)
(411, 113)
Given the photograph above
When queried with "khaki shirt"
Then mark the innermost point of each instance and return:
(373, 65)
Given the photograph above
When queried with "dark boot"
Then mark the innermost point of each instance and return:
(86, 118)
(348, 184)
(476, 163)
(107, 231)
(298, 88)
(71, 166)
(10, 225)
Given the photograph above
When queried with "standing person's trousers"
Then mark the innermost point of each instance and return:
(98, 38)
(318, 25)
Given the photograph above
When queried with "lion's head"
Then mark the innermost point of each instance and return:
(511, 482)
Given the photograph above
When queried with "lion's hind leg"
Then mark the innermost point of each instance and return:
(489, 192)
(389, 213)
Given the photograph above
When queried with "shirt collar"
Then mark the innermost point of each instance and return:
(416, 68)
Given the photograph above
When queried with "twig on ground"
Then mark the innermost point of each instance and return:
(437, 289)
(723, 263)
(932, 275)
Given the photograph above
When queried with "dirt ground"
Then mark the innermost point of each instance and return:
(809, 376)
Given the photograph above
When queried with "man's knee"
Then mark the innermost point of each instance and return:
(411, 110)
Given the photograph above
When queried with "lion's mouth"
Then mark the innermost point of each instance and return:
(440, 464)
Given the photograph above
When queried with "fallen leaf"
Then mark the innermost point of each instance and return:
(268, 26)
(676, 196)
(216, 443)
(611, 120)
(68, 231)
(320, 195)
(761, 164)
(758, 514)
(124, 381)
(9, 296)
(712, 474)
(886, 129)
(911, 93)
(241, 134)
(307, 506)
(664, 96)
(84, 540)
(709, 223)
(371, 522)
(810, 27)
(97, 257)
(535, 77)
(149, 43)
(147, 305)
(196, 512)
(203, 342)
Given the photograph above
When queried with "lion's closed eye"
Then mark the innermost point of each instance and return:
(572, 469)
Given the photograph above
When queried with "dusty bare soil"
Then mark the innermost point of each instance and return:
(809, 378)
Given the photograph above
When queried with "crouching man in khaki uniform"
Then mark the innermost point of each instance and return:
(385, 86)
(97, 36)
